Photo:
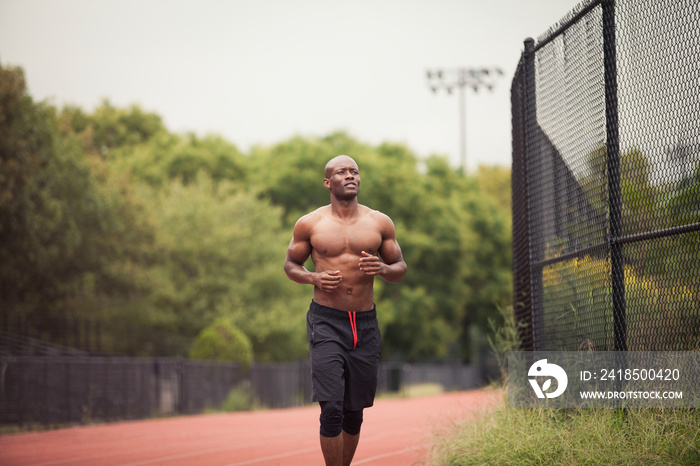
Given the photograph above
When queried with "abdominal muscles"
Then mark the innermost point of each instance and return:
(355, 290)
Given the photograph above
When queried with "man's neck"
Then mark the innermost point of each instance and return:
(345, 209)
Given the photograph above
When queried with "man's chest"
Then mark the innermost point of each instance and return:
(333, 238)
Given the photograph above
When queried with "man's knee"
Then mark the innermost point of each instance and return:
(334, 419)
(331, 418)
(352, 421)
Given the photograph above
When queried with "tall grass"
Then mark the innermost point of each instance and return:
(561, 437)
(509, 436)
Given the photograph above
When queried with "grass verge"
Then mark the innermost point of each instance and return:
(509, 436)
(572, 437)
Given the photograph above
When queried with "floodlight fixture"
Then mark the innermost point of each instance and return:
(474, 78)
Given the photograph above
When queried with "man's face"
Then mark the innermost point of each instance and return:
(343, 179)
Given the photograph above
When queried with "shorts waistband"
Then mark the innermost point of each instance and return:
(333, 313)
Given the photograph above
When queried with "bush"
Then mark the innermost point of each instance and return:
(222, 341)
(661, 312)
(241, 398)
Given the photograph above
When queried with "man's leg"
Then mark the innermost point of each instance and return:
(352, 421)
(349, 446)
(339, 450)
(332, 449)
(332, 444)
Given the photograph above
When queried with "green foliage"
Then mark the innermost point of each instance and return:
(108, 216)
(660, 281)
(112, 217)
(290, 174)
(62, 230)
(219, 253)
(222, 341)
(564, 437)
(169, 157)
(454, 232)
(504, 338)
(241, 398)
(456, 240)
(110, 128)
(657, 316)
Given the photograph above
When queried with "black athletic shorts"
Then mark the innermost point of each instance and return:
(345, 349)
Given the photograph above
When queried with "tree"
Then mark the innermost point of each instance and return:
(168, 157)
(290, 173)
(59, 226)
(222, 341)
(459, 268)
(219, 254)
(108, 214)
(109, 128)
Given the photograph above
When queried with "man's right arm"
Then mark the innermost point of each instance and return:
(298, 252)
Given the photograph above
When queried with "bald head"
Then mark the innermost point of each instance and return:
(341, 160)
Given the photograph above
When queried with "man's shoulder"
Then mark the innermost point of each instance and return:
(375, 214)
(382, 221)
(314, 216)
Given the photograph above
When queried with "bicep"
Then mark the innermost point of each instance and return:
(390, 251)
(298, 251)
(300, 246)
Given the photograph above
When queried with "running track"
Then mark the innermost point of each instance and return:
(395, 432)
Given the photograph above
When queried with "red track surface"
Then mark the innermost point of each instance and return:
(395, 432)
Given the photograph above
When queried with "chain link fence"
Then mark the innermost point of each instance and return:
(606, 179)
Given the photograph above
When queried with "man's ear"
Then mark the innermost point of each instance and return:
(327, 183)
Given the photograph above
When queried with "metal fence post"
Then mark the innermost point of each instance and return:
(529, 129)
(617, 271)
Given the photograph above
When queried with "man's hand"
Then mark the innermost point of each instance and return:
(328, 281)
(370, 264)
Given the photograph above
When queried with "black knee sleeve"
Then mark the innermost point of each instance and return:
(352, 420)
(331, 418)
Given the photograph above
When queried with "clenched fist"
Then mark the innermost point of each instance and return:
(328, 281)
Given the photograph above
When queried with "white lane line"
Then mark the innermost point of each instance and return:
(388, 454)
(278, 456)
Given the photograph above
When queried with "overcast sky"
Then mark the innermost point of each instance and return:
(261, 71)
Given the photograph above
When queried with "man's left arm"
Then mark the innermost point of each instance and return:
(392, 267)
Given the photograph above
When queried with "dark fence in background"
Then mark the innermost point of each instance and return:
(66, 389)
(606, 179)
(43, 382)
(59, 390)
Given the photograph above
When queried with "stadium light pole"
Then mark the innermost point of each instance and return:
(462, 78)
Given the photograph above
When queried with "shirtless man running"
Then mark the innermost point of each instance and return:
(349, 244)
